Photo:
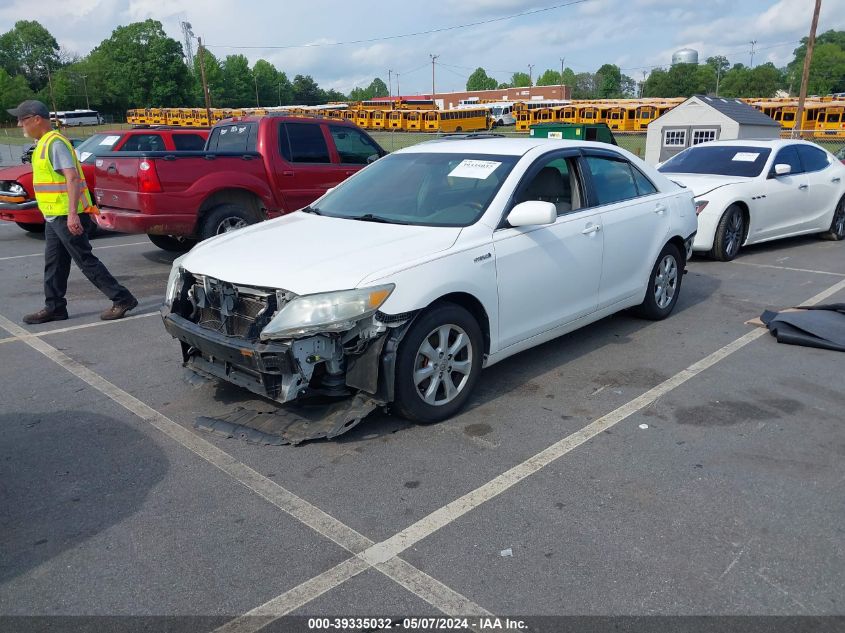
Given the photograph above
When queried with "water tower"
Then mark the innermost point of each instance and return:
(685, 56)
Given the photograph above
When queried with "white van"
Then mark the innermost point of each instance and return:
(502, 113)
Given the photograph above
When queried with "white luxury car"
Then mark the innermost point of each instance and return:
(407, 278)
(748, 192)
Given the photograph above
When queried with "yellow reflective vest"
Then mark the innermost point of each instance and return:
(51, 190)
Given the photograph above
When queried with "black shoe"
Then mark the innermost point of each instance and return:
(45, 316)
(119, 310)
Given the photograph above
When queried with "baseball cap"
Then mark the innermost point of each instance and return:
(30, 107)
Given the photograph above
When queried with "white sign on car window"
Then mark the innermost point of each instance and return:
(110, 140)
(478, 169)
(746, 157)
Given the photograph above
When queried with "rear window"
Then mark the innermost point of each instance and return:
(188, 142)
(722, 160)
(233, 137)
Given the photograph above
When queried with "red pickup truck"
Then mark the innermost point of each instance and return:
(253, 168)
(17, 198)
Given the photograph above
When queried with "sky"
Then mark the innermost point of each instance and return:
(346, 45)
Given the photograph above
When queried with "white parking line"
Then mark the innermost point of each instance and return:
(381, 556)
(798, 270)
(73, 328)
(96, 248)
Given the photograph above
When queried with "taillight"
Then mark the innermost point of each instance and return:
(148, 181)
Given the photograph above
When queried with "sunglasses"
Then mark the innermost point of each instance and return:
(29, 116)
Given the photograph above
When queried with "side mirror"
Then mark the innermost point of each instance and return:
(782, 170)
(531, 213)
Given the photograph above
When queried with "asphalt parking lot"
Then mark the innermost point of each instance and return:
(692, 466)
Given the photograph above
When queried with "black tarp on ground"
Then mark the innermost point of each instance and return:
(814, 326)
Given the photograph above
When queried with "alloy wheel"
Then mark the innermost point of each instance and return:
(666, 282)
(442, 365)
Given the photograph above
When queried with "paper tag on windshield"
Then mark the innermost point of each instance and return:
(110, 140)
(478, 169)
(746, 157)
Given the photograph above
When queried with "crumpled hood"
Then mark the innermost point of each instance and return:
(305, 253)
(701, 184)
(15, 172)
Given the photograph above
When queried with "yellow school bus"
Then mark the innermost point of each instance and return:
(622, 117)
(378, 119)
(830, 121)
(460, 120)
(397, 120)
(362, 118)
(414, 120)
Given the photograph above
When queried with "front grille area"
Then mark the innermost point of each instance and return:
(229, 309)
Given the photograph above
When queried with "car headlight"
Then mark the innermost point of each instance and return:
(699, 206)
(326, 312)
(173, 280)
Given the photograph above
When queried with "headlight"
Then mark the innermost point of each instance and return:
(326, 312)
(173, 280)
(699, 206)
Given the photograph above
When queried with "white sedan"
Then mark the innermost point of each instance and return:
(747, 192)
(407, 278)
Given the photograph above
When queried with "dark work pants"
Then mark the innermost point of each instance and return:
(62, 246)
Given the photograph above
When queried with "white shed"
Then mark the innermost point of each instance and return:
(700, 119)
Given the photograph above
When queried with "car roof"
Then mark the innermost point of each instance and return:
(498, 145)
(772, 143)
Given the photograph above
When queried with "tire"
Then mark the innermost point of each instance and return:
(31, 227)
(664, 285)
(172, 244)
(435, 403)
(225, 218)
(837, 224)
(730, 234)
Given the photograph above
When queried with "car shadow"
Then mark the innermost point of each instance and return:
(66, 476)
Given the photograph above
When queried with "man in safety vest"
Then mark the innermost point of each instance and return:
(64, 200)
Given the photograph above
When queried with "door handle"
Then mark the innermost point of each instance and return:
(803, 186)
(660, 209)
(837, 179)
(591, 228)
(112, 169)
(287, 173)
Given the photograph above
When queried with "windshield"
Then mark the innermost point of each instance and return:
(90, 148)
(722, 160)
(420, 188)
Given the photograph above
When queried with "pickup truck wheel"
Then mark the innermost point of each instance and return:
(32, 227)
(172, 244)
(225, 218)
(438, 364)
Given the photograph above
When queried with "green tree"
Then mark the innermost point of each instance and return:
(823, 68)
(705, 80)
(29, 50)
(609, 82)
(520, 80)
(549, 78)
(267, 79)
(479, 80)
(13, 90)
(238, 87)
(334, 95)
(735, 82)
(718, 63)
(140, 66)
(629, 87)
(306, 91)
(504, 86)
(284, 90)
(377, 88)
(584, 86)
(765, 80)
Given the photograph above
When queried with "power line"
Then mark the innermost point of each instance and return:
(395, 37)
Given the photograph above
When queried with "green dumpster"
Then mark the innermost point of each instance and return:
(573, 132)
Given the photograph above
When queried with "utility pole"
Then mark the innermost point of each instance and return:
(52, 96)
(530, 75)
(389, 83)
(805, 76)
(718, 76)
(200, 50)
(642, 85)
(753, 44)
(398, 94)
(85, 86)
(188, 34)
(280, 93)
(255, 79)
(433, 59)
(562, 93)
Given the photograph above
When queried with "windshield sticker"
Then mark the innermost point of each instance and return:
(478, 169)
(223, 131)
(83, 156)
(746, 157)
(110, 140)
